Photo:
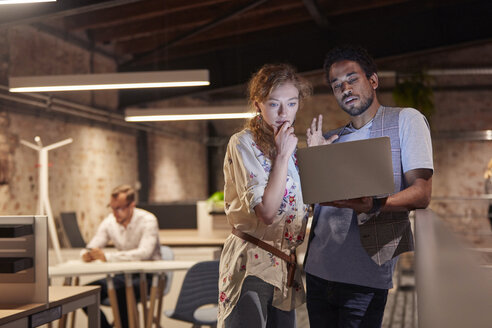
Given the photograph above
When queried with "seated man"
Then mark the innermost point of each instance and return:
(135, 234)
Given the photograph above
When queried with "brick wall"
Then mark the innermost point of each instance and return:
(81, 174)
(462, 104)
(178, 170)
(178, 165)
(32, 53)
(102, 156)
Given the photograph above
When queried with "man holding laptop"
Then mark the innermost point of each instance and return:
(354, 244)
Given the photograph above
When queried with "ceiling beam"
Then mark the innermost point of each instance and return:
(194, 32)
(208, 41)
(37, 12)
(178, 22)
(305, 45)
(76, 41)
(231, 41)
(281, 13)
(228, 34)
(260, 22)
(134, 12)
(164, 28)
(332, 8)
(315, 12)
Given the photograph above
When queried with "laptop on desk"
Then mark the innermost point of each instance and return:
(346, 170)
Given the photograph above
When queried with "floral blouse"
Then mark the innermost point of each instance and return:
(246, 171)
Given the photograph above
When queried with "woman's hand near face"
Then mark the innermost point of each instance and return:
(314, 134)
(285, 140)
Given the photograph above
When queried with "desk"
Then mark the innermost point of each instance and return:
(62, 300)
(80, 268)
(189, 237)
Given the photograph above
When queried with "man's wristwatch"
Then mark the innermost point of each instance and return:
(376, 205)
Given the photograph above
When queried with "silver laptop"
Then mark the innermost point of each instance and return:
(346, 170)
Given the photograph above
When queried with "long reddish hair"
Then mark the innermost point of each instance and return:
(260, 86)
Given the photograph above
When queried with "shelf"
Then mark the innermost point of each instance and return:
(481, 135)
(15, 264)
(15, 230)
(451, 198)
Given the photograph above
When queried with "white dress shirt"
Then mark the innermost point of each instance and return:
(139, 241)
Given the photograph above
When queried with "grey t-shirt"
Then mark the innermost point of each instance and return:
(336, 253)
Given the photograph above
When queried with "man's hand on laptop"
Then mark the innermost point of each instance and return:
(314, 134)
(368, 205)
(359, 205)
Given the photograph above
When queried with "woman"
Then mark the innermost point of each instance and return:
(263, 203)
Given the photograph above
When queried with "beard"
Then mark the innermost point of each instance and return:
(357, 110)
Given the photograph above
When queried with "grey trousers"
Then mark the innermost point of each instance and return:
(243, 316)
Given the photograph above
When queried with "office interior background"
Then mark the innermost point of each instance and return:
(445, 45)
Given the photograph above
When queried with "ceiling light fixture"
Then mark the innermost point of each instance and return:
(188, 113)
(13, 2)
(135, 80)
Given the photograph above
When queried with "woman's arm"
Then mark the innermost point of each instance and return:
(286, 142)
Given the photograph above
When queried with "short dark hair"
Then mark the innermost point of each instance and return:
(354, 53)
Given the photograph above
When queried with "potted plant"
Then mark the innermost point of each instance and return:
(414, 90)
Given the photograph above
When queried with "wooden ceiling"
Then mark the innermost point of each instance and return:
(232, 38)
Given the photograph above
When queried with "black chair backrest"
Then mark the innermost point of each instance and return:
(173, 215)
(200, 287)
(71, 227)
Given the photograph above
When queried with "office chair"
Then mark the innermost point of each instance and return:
(71, 228)
(168, 255)
(200, 287)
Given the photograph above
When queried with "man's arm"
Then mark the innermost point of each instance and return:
(416, 159)
(93, 250)
(416, 195)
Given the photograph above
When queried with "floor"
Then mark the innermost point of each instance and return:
(401, 310)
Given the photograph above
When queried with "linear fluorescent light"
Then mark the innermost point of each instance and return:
(13, 2)
(135, 80)
(188, 113)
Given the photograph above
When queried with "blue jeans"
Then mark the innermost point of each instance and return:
(272, 316)
(339, 305)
